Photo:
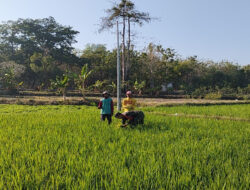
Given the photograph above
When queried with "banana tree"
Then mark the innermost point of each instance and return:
(60, 84)
(82, 78)
(113, 87)
(139, 86)
(98, 86)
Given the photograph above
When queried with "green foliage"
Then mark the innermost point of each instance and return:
(155, 91)
(10, 74)
(221, 93)
(246, 97)
(98, 86)
(213, 96)
(60, 84)
(82, 78)
(68, 147)
(124, 10)
(244, 90)
(8, 79)
(113, 87)
(139, 86)
(41, 49)
(199, 92)
(40, 63)
(39, 44)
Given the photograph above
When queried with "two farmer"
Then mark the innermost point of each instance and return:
(128, 104)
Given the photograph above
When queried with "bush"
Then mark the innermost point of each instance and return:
(227, 90)
(245, 90)
(153, 91)
(246, 97)
(213, 96)
(10, 72)
(199, 92)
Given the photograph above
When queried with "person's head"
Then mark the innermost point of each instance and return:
(129, 94)
(119, 116)
(105, 94)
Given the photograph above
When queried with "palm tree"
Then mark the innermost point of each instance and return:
(126, 11)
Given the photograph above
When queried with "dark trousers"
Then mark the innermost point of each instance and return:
(138, 117)
(108, 116)
(124, 121)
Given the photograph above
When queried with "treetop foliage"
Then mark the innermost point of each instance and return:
(38, 51)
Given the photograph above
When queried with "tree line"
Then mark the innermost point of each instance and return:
(39, 54)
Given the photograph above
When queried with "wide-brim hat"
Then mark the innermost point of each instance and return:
(105, 92)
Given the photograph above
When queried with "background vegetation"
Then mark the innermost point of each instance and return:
(37, 53)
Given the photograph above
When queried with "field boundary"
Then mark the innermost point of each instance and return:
(93, 101)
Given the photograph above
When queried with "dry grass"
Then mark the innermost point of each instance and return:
(76, 100)
(162, 102)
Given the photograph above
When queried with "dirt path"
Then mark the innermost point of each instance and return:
(47, 100)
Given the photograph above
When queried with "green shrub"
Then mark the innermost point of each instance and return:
(213, 96)
(246, 97)
(199, 92)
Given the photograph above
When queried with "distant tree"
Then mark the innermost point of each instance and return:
(10, 75)
(246, 70)
(25, 38)
(154, 66)
(42, 66)
(101, 61)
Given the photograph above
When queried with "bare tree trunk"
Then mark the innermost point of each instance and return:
(63, 91)
(128, 48)
(64, 95)
(83, 91)
(123, 49)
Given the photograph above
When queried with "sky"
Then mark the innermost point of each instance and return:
(217, 30)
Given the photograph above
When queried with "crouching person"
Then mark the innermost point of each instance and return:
(131, 118)
(107, 107)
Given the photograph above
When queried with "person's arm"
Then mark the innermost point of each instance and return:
(127, 117)
(112, 107)
(100, 105)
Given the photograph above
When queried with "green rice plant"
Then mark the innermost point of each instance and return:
(68, 147)
(239, 111)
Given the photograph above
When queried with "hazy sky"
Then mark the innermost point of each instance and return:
(211, 29)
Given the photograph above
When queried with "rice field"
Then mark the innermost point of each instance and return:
(68, 147)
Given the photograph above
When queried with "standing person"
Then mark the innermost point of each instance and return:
(107, 107)
(128, 104)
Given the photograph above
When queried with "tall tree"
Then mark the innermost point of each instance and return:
(21, 39)
(126, 12)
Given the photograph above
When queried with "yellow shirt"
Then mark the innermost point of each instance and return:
(128, 104)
